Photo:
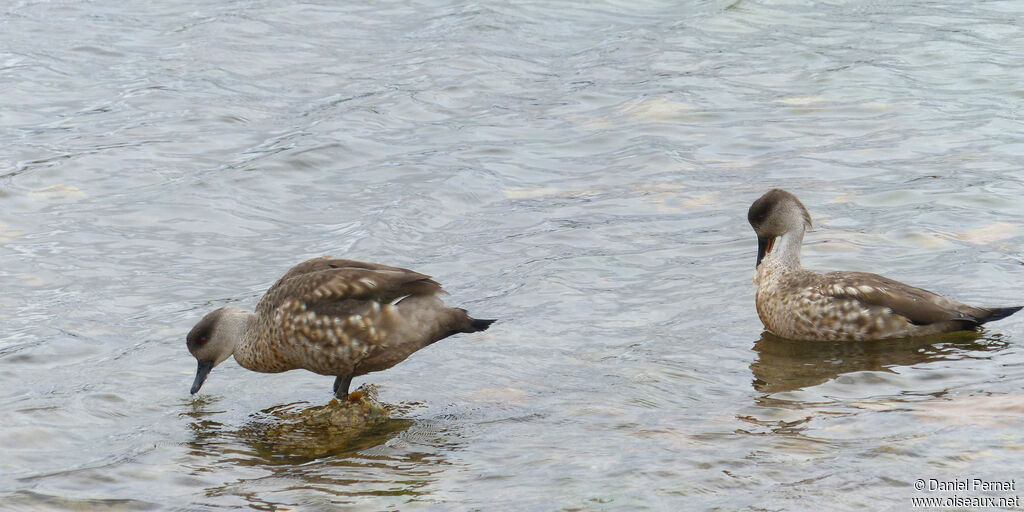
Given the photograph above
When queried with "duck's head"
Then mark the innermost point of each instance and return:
(213, 340)
(775, 214)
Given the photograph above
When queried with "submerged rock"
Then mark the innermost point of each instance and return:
(360, 410)
(297, 432)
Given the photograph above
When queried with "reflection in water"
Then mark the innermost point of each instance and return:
(32, 500)
(787, 365)
(300, 448)
(205, 430)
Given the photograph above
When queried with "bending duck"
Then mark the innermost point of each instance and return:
(840, 306)
(333, 317)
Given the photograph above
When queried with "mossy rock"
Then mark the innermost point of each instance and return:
(290, 432)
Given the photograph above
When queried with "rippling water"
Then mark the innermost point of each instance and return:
(582, 172)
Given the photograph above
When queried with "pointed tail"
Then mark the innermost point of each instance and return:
(481, 325)
(998, 313)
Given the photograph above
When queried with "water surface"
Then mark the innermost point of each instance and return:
(581, 171)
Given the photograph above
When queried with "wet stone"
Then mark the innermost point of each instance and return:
(296, 432)
(361, 410)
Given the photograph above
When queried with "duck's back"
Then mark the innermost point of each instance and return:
(333, 316)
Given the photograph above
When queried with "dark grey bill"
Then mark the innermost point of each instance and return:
(764, 246)
(201, 372)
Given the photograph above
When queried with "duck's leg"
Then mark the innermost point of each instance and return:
(341, 385)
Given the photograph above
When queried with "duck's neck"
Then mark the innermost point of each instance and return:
(238, 325)
(786, 252)
(254, 349)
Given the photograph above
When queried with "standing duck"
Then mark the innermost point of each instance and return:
(333, 317)
(799, 304)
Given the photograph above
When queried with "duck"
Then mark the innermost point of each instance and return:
(800, 304)
(333, 317)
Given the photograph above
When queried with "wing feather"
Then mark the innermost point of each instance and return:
(340, 304)
(919, 306)
(336, 285)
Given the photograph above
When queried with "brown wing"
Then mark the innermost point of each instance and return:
(331, 314)
(341, 287)
(328, 263)
(921, 307)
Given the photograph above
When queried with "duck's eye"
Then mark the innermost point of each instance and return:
(202, 340)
